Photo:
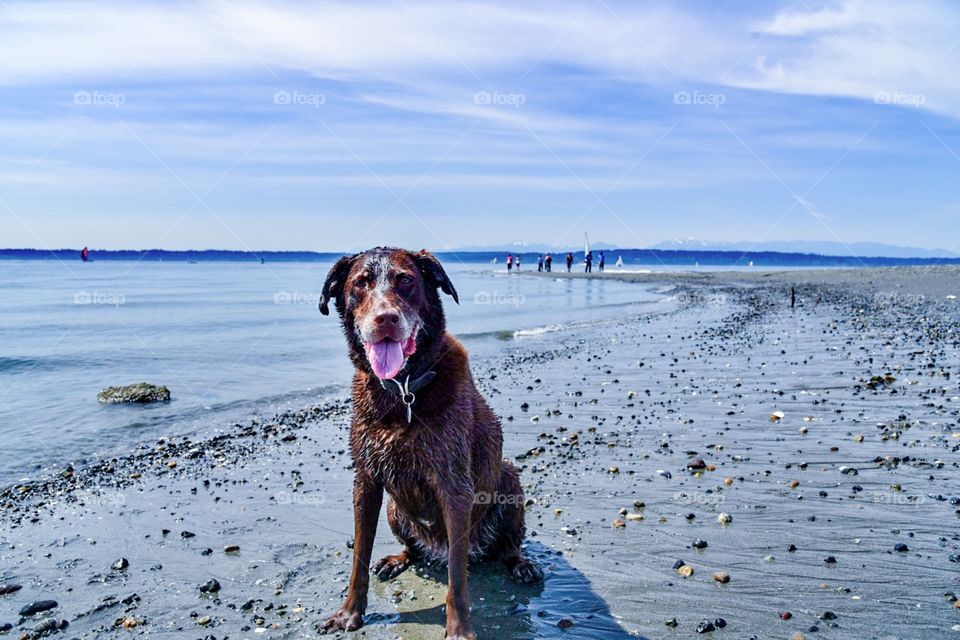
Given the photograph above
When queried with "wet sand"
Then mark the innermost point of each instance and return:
(828, 434)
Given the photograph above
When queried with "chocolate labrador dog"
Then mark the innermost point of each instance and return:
(422, 432)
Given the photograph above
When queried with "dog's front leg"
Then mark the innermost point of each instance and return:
(456, 514)
(367, 499)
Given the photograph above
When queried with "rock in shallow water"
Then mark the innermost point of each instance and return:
(141, 392)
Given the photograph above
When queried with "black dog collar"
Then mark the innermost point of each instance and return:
(408, 389)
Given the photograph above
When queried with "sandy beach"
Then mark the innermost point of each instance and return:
(726, 465)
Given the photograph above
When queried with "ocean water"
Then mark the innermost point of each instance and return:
(231, 340)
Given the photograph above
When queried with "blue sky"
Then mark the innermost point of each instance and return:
(336, 126)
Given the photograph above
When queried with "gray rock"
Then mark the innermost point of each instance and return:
(38, 607)
(134, 393)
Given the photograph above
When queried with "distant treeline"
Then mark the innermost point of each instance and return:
(631, 257)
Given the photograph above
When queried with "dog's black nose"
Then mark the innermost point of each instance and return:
(387, 318)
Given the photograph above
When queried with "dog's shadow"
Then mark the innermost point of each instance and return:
(566, 605)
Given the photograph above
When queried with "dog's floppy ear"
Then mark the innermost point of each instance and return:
(333, 287)
(434, 274)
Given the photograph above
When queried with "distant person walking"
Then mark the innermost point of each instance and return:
(547, 262)
(518, 262)
(793, 297)
(602, 260)
(569, 261)
(540, 262)
(589, 261)
(509, 262)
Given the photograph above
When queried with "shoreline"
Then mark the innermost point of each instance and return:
(600, 419)
(931, 282)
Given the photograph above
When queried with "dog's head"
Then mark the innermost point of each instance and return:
(388, 303)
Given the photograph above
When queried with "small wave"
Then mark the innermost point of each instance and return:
(550, 328)
(26, 364)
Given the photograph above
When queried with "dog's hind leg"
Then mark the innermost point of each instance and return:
(512, 529)
(391, 566)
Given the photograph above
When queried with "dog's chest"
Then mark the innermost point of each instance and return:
(394, 457)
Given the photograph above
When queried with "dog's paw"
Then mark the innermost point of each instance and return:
(462, 634)
(527, 572)
(392, 566)
(341, 620)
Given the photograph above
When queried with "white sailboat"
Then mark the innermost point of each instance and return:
(586, 246)
(619, 261)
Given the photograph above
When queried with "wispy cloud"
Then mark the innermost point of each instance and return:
(128, 102)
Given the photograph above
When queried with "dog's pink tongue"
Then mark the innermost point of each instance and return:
(386, 358)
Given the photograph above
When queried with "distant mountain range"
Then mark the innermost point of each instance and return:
(823, 248)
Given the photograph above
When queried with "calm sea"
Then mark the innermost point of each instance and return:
(230, 340)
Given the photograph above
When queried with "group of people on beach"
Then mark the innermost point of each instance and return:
(546, 263)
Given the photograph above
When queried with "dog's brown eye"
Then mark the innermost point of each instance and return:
(360, 283)
(403, 278)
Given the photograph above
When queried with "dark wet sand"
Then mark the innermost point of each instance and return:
(602, 419)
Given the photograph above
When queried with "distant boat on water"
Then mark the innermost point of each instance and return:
(619, 261)
(85, 254)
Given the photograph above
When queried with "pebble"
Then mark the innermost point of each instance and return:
(129, 623)
(724, 518)
(785, 615)
(204, 621)
(722, 577)
(6, 589)
(565, 623)
(672, 623)
(686, 571)
(120, 564)
(38, 607)
(900, 548)
(705, 626)
(210, 586)
(699, 543)
(231, 548)
(618, 523)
